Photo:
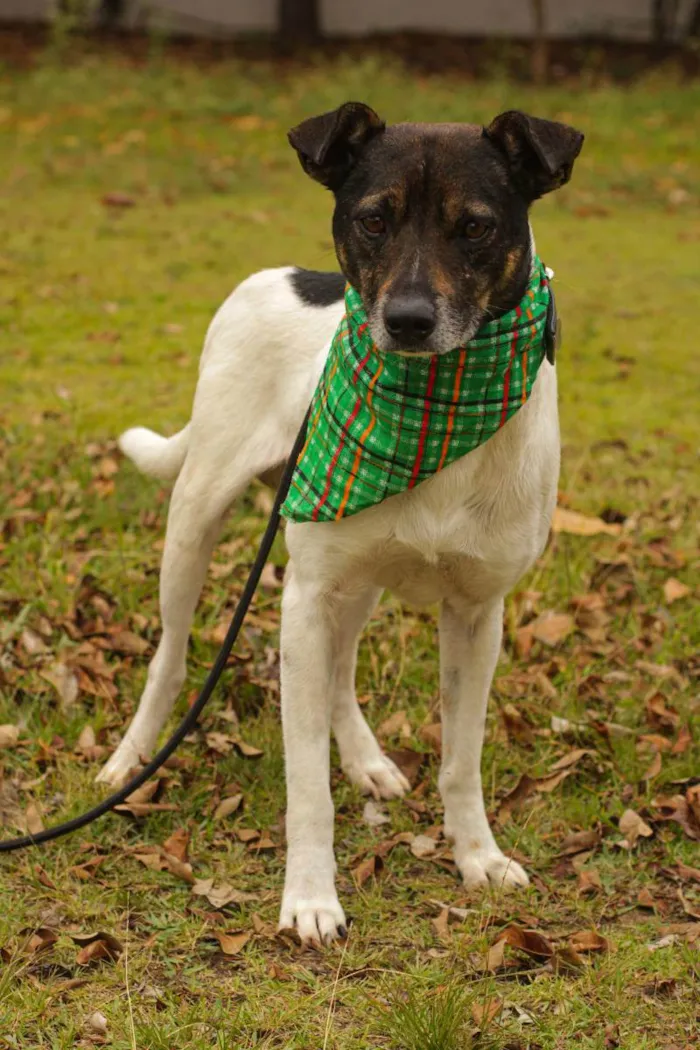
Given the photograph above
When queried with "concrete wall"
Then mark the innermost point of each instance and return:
(619, 18)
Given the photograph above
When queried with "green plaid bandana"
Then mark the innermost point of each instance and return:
(382, 423)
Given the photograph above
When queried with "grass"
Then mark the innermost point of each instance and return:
(103, 309)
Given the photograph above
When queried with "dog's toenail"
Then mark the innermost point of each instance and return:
(342, 932)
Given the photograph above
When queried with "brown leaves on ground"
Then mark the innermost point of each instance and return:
(565, 520)
(228, 806)
(232, 943)
(171, 856)
(683, 809)
(223, 743)
(633, 827)
(527, 785)
(221, 894)
(536, 947)
(118, 199)
(97, 947)
(9, 736)
(143, 801)
(408, 761)
(674, 590)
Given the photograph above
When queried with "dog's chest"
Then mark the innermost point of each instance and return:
(471, 531)
(464, 550)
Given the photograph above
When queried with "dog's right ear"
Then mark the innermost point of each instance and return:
(328, 146)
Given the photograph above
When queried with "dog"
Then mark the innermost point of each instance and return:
(431, 226)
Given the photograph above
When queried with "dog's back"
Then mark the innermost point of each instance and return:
(263, 352)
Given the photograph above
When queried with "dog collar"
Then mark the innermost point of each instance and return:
(380, 423)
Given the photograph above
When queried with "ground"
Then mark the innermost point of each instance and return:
(132, 199)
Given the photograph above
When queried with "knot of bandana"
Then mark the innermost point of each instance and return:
(381, 423)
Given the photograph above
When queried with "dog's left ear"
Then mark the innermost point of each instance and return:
(328, 146)
(540, 153)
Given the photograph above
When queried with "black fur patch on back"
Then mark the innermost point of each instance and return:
(318, 288)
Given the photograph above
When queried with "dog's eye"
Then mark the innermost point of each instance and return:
(374, 225)
(475, 230)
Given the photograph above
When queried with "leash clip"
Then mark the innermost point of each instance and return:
(552, 330)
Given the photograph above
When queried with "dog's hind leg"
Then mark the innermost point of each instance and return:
(361, 757)
(198, 503)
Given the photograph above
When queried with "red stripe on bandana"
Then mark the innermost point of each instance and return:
(336, 456)
(424, 422)
(506, 378)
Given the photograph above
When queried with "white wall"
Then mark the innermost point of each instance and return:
(622, 18)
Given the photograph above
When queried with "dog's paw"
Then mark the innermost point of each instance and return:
(491, 868)
(376, 775)
(318, 920)
(116, 770)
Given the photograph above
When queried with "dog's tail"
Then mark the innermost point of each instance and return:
(157, 456)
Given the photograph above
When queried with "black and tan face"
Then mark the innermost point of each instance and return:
(431, 220)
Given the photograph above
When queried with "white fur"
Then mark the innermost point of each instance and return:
(462, 538)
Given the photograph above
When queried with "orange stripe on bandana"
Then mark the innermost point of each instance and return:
(361, 447)
(453, 409)
(425, 421)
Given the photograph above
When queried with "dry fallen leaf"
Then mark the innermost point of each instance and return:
(157, 859)
(227, 806)
(516, 725)
(374, 816)
(532, 943)
(682, 742)
(633, 827)
(686, 872)
(675, 590)
(551, 627)
(366, 869)
(9, 735)
(423, 846)
(580, 841)
(589, 881)
(659, 714)
(588, 941)
(178, 843)
(96, 946)
(64, 681)
(129, 644)
(221, 895)
(408, 761)
(654, 767)
(484, 1013)
(571, 521)
(32, 819)
(441, 925)
(572, 758)
(232, 943)
(37, 941)
(33, 643)
(393, 725)
(117, 199)
(97, 1023)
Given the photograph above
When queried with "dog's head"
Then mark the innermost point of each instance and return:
(431, 220)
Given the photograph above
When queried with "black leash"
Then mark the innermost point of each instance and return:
(190, 720)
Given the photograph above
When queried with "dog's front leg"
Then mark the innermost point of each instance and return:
(307, 647)
(469, 651)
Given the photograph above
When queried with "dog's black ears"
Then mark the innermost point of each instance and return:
(328, 146)
(540, 153)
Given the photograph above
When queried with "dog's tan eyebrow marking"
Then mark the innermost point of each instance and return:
(394, 195)
(459, 208)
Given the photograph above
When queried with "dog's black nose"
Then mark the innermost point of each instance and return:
(409, 318)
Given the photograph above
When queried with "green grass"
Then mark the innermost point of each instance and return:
(102, 316)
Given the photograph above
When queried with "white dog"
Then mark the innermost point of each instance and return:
(462, 538)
